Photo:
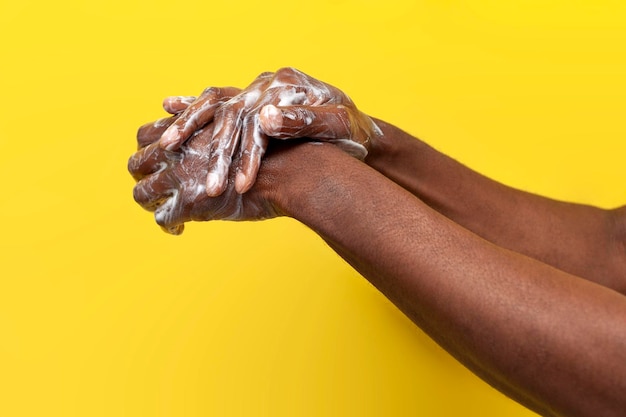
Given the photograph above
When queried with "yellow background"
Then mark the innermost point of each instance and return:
(102, 314)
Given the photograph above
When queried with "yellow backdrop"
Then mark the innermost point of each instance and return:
(102, 314)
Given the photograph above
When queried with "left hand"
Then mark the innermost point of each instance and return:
(286, 104)
(171, 183)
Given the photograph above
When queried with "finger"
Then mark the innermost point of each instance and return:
(154, 190)
(151, 132)
(332, 123)
(223, 144)
(315, 122)
(199, 113)
(228, 122)
(310, 90)
(169, 216)
(177, 104)
(253, 146)
(150, 160)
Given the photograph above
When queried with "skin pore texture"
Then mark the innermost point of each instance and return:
(523, 290)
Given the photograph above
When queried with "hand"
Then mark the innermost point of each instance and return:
(152, 132)
(286, 104)
(171, 183)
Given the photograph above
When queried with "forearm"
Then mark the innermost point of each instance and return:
(546, 338)
(575, 238)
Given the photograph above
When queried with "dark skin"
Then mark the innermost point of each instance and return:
(239, 115)
(511, 305)
(170, 183)
(584, 240)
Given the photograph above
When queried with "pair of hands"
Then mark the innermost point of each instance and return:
(197, 164)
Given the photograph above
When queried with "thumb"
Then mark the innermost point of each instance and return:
(314, 122)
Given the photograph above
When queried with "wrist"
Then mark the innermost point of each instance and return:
(303, 180)
(396, 154)
(290, 171)
(380, 145)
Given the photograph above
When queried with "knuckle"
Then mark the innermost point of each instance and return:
(131, 165)
(141, 130)
(211, 92)
(137, 165)
(144, 133)
(287, 71)
(139, 194)
(231, 105)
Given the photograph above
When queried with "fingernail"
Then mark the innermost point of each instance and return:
(212, 184)
(169, 138)
(270, 119)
